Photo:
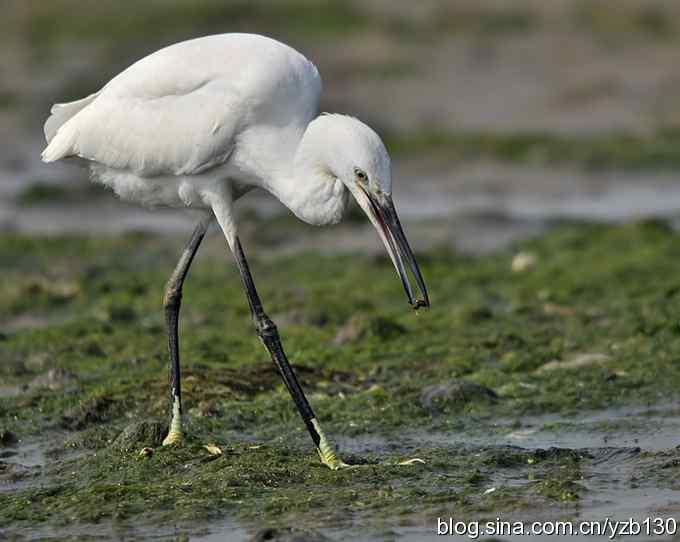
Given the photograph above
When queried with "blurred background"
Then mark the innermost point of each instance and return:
(501, 117)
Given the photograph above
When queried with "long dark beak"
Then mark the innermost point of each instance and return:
(384, 216)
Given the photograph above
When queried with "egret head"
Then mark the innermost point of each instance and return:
(355, 155)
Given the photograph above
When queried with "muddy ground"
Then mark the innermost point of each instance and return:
(548, 391)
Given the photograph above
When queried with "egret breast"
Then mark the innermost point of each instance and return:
(160, 191)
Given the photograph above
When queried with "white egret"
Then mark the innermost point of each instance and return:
(200, 123)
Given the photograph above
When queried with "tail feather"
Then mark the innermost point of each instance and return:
(60, 144)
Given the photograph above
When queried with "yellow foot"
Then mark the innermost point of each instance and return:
(175, 435)
(326, 452)
(174, 438)
(333, 462)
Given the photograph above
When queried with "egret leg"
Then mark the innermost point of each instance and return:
(171, 304)
(268, 333)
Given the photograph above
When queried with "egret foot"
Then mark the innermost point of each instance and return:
(175, 435)
(174, 438)
(326, 451)
(332, 461)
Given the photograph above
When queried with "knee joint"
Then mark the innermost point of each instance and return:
(265, 327)
(172, 298)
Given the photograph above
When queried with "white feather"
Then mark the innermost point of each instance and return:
(60, 113)
(200, 122)
(179, 110)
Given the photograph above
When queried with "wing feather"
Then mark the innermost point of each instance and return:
(171, 134)
(179, 111)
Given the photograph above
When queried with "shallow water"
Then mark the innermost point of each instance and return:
(647, 429)
(476, 207)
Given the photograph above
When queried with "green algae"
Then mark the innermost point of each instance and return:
(641, 21)
(615, 150)
(211, 16)
(612, 291)
(42, 192)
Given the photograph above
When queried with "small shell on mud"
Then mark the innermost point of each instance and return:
(578, 361)
(414, 461)
(523, 261)
(213, 449)
(559, 310)
(146, 452)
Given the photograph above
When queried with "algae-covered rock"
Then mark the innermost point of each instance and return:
(361, 326)
(455, 394)
(145, 433)
(289, 534)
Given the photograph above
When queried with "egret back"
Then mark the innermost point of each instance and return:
(181, 110)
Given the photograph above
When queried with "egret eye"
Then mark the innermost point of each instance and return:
(361, 175)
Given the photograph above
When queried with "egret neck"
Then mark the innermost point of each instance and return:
(308, 185)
